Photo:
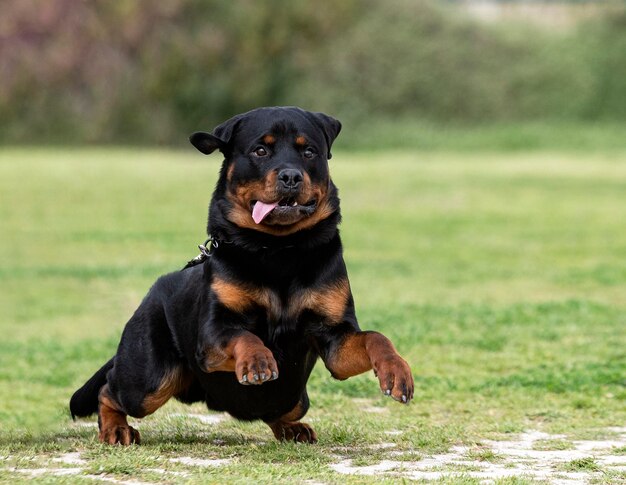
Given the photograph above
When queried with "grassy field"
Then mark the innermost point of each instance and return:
(501, 277)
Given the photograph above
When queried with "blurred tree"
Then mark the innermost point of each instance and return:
(138, 71)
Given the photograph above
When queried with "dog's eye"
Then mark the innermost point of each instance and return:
(309, 153)
(260, 152)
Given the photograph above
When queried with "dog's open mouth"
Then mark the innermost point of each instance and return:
(284, 211)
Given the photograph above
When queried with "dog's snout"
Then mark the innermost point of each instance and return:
(290, 178)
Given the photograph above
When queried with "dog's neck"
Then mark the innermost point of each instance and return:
(225, 234)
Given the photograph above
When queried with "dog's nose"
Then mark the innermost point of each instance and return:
(290, 178)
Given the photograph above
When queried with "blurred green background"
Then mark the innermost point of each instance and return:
(397, 73)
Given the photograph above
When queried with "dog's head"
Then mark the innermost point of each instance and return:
(275, 176)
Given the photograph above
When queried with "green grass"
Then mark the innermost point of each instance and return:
(381, 135)
(582, 464)
(553, 444)
(499, 276)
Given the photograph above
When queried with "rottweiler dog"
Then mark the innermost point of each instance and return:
(242, 326)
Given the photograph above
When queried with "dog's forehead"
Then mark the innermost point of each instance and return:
(279, 122)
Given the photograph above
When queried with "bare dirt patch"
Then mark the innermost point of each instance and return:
(491, 460)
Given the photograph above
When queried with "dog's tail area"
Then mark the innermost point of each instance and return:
(84, 402)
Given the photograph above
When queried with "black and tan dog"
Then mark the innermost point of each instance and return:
(242, 329)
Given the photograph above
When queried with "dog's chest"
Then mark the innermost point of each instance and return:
(328, 300)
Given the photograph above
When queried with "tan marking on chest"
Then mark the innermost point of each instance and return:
(329, 301)
(241, 298)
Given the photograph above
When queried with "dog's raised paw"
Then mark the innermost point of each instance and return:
(395, 379)
(257, 368)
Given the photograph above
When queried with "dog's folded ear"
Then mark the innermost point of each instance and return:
(330, 126)
(207, 143)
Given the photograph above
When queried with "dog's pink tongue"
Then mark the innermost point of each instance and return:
(261, 210)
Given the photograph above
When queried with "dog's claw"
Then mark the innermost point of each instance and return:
(274, 375)
(395, 378)
(256, 367)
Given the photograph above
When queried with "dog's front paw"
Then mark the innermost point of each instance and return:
(256, 367)
(395, 378)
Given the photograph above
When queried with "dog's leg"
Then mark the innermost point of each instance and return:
(288, 428)
(358, 352)
(114, 427)
(244, 354)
